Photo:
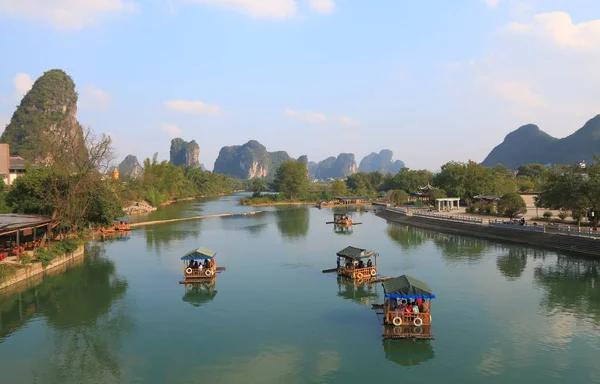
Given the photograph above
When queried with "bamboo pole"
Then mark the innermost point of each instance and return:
(193, 218)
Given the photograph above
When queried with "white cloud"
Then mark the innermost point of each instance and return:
(171, 129)
(311, 117)
(492, 3)
(542, 70)
(322, 6)
(558, 28)
(260, 9)
(348, 121)
(91, 97)
(197, 107)
(65, 14)
(23, 83)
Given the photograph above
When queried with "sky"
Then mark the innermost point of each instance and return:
(433, 80)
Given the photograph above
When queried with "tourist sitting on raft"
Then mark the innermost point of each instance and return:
(417, 306)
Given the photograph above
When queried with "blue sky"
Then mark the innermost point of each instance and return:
(431, 80)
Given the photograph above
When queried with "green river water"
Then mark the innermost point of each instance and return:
(503, 313)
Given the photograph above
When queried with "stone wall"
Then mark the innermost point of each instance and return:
(36, 269)
(582, 245)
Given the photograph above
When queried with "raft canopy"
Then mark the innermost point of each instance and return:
(122, 219)
(356, 253)
(199, 254)
(407, 287)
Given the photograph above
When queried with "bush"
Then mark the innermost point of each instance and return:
(46, 255)
(547, 215)
(7, 271)
(26, 259)
(490, 209)
(562, 215)
(512, 205)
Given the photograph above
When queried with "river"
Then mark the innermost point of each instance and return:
(503, 313)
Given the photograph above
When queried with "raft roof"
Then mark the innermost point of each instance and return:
(407, 287)
(356, 253)
(199, 254)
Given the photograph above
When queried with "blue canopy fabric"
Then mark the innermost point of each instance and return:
(407, 287)
(199, 254)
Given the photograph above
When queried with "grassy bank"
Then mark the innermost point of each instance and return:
(259, 200)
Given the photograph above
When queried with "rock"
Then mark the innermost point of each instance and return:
(130, 167)
(249, 161)
(339, 167)
(185, 153)
(381, 162)
(47, 113)
(138, 208)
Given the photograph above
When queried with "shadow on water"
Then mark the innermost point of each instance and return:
(293, 223)
(570, 285)
(201, 293)
(405, 236)
(407, 352)
(454, 248)
(158, 237)
(361, 293)
(342, 229)
(512, 264)
(82, 305)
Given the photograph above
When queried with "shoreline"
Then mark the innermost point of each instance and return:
(581, 245)
(28, 272)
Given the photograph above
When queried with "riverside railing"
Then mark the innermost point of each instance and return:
(402, 211)
(573, 231)
(516, 226)
(456, 219)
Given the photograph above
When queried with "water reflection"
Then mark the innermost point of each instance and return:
(570, 285)
(83, 306)
(115, 236)
(200, 293)
(513, 263)
(160, 236)
(362, 293)
(407, 237)
(342, 229)
(293, 223)
(407, 352)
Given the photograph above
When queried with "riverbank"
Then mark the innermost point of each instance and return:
(36, 269)
(274, 203)
(142, 207)
(582, 245)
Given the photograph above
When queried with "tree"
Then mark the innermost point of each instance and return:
(512, 205)
(399, 197)
(291, 179)
(410, 180)
(575, 189)
(257, 186)
(339, 188)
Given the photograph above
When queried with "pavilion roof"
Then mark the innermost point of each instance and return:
(199, 254)
(356, 253)
(407, 287)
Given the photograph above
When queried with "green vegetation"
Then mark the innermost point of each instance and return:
(574, 189)
(512, 205)
(46, 255)
(51, 103)
(163, 181)
(7, 271)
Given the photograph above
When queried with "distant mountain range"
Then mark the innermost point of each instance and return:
(529, 144)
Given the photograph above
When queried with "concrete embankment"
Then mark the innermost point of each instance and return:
(36, 270)
(582, 245)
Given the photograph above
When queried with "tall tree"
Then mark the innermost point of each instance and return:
(574, 188)
(291, 179)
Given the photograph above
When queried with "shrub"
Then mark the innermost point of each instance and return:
(548, 215)
(562, 215)
(26, 259)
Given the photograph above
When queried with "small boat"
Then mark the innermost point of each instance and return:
(353, 266)
(121, 224)
(402, 324)
(199, 265)
(341, 219)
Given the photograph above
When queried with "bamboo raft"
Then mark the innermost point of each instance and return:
(193, 218)
(348, 224)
